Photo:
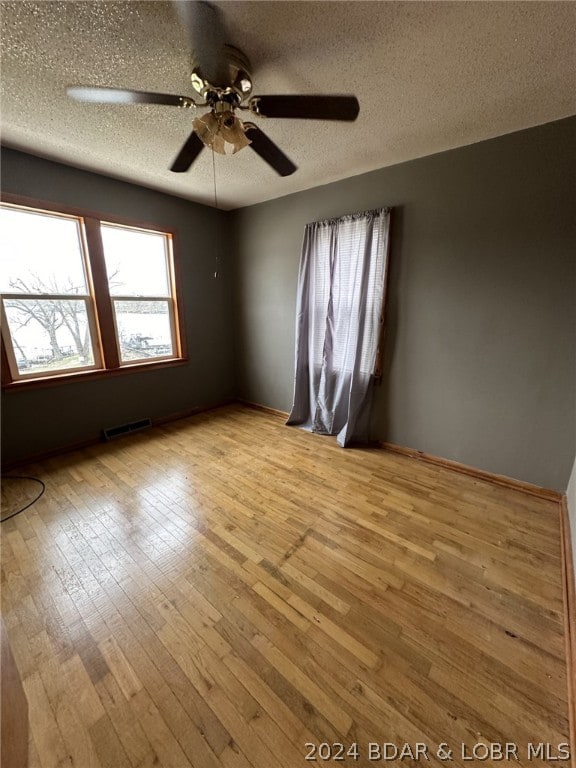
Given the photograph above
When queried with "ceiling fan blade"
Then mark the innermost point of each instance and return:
(98, 95)
(189, 152)
(307, 107)
(268, 151)
(207, 35)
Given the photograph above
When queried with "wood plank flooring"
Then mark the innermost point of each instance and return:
(224, 590)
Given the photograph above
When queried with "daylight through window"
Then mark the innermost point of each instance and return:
(79, 294)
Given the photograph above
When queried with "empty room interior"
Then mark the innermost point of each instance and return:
(288, 303)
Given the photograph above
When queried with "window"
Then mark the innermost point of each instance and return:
(138, 274)
(81, 295)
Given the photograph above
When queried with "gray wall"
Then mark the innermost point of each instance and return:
(40, 420)
(480, 356)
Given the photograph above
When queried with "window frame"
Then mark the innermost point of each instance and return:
(101, 316)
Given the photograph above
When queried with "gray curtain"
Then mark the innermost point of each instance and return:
(340, 291)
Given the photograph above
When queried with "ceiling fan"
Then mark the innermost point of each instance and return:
(221, 75)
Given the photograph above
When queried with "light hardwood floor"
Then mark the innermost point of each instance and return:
(223, 590)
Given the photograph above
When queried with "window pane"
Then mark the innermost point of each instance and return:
(40, 253)
(135, 262)
(49, 335)
(143, 329)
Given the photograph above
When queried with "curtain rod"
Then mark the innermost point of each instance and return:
(351, 216)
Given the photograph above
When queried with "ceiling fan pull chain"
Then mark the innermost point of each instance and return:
(216, 257)
(214, 177)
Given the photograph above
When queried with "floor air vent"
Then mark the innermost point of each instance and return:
(124, 429)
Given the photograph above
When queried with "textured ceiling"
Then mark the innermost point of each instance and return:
(429, 76)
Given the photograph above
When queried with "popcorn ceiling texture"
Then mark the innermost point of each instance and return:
(430, 76)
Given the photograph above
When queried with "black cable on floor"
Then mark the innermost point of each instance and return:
(23, 477)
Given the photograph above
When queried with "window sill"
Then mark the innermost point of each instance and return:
(100, 373)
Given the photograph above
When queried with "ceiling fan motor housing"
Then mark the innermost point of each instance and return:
(239, 82)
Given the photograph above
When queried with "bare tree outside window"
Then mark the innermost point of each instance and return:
(51, 314)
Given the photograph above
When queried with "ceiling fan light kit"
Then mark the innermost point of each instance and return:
(219, 130)
(222, 77)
